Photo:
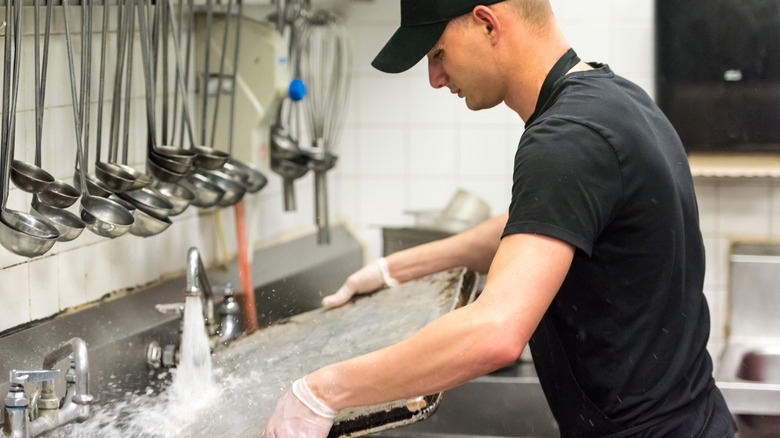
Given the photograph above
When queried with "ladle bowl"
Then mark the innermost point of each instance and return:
(170, 164)
(149, 200)
(59, 194)
(141, 179)
(67, 224)
(113, 176)
(184, 156)
(178, 195)
(25, 234)
(209, 158)
(148, 223)
(245, 174)
(161, 173)
(207, 193)
(29, 177)
(94, 187)
(129, 206)
(233, 190)
(105, 217)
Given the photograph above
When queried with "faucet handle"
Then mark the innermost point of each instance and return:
(19, 377)
(170, 308)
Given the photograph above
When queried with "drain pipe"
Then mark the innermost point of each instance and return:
(247, 298)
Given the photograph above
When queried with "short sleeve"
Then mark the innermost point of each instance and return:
(566, 183)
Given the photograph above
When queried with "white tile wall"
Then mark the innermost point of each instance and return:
(405, 147)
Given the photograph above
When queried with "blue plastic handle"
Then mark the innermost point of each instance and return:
(297, 90)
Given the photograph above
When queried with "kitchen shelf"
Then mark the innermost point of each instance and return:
(731, 165)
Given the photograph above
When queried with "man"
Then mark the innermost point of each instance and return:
(598, 265)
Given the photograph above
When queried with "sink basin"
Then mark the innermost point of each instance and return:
(760, 366)
(749, 377)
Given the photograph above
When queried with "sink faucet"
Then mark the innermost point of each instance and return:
(50, 415)
(223, 323)
(198, 285)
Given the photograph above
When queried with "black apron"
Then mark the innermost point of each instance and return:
(575, 413)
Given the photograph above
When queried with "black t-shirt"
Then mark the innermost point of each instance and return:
(600, 167)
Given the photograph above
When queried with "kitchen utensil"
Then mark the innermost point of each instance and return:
(179, 196)
(221, 72)
(325, 63)
(57, 194)
(207, 193)
(67, 224)
(20, 233)
(233, 190)
(29, 177)
(116, 177)
(149, 199)
(102, 216)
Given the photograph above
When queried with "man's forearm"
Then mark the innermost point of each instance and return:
(452, 350)
(474, 249)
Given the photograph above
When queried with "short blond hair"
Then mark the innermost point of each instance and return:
(535, 12)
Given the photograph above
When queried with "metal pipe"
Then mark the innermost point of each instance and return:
(78, 348)
(198, 284)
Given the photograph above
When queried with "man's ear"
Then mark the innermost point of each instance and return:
(487, 18)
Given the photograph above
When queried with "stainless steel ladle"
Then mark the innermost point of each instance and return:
(20, 233)
(59, 193)
(67, 224)
(28, 177)
(113, 176)
(102, 216)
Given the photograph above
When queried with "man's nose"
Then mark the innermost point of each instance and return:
(436, 75)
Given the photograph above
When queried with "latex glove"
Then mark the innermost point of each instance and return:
(300, 414)
(370, 278)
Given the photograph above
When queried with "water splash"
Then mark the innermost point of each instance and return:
(150, 413)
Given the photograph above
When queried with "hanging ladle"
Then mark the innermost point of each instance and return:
(113, 176)
(20, 233)
(59, 193)
(67, 224)
(245, 173)
(94, 186)
(102, 216)
(28, 177)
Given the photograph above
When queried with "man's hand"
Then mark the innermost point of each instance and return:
(300, 414)
(370, 278)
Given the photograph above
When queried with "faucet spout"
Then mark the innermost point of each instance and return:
(198, 284)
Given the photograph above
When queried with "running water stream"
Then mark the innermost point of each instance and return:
(165, 414)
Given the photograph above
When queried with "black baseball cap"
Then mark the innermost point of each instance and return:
(422, 23)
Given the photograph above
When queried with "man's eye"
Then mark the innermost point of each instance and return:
(439, 54)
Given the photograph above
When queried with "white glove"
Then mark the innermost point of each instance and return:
(300, 414)
(370, 278)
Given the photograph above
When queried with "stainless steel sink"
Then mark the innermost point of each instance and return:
(749, 377)
(507, 403)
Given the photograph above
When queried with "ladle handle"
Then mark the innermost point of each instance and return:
(147, 71)
(221, 72)
(129, 87)
(179, 79)
(185, 89)
(206, 68)
(101, 80)
(231, 122)
(76, 117)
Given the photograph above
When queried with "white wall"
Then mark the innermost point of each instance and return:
(405, 147)
(408, 146)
